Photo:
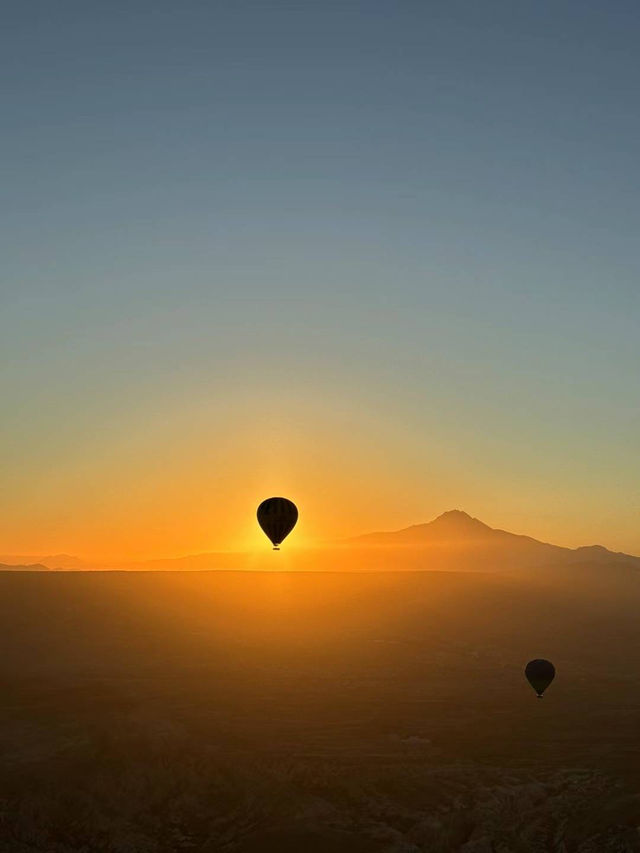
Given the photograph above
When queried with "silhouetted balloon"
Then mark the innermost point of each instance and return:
(540, 674)
(277, 517)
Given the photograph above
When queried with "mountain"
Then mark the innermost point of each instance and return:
(55, 561)
(454, 525)
(456, 540)
(23, 567)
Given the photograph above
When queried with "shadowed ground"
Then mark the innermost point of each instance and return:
(319, 712)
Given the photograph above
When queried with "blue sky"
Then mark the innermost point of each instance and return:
(404, 227)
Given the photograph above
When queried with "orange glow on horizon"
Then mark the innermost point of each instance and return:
(190, 483)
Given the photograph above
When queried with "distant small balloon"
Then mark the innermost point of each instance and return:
(540, 673)
(277, 517)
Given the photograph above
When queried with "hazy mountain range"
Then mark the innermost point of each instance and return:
(454, 541)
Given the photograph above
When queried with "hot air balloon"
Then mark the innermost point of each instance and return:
(540, 674)
(277, 517)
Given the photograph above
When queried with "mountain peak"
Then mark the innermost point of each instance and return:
(454, 525)
(458, 514)
(456, 520)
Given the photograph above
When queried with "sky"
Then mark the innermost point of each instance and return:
(379, 257)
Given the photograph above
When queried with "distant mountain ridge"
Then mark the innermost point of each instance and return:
(453, 524)
(23, 567)
(54, 561)
(459, 536)
(454, 541)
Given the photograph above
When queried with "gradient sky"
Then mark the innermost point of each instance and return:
(379, 257)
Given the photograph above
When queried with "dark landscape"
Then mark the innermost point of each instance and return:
(336, 711)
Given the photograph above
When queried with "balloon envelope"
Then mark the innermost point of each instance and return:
(277, 517)
(540, 673)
